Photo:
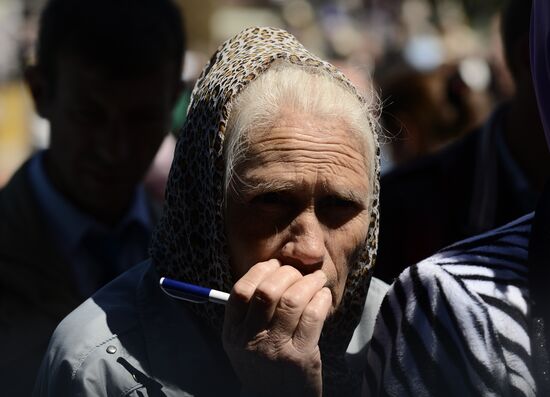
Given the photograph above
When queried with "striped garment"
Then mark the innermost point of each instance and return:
(456, 324)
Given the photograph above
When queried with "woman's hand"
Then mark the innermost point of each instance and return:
(273, 322)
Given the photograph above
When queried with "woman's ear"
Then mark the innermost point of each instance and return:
(40, 90)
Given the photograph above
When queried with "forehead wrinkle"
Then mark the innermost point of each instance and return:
(312, 156)
(292, 161)
(296, 135)
(297, 143)
(317, 139)
(307, 155)
(307, 164)
(298, 180)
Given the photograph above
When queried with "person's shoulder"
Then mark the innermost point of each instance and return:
(472, 300)
(83, 346)
(499, 255)
(14, 191)
(20, 224)
(20, 218)
(109, 312)
(508, 243)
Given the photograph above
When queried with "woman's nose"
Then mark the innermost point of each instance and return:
(305, 247)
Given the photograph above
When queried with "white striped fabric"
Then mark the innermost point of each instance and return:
(456, 323)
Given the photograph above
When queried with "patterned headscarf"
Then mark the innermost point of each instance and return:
(189, 244)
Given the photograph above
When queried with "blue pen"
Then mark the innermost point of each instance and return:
(192, 293)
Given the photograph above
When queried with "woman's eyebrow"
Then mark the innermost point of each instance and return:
(253, 186)
(349, 194)
(345, 191)
(257, 186)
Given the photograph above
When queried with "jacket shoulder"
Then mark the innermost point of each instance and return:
(98, 348)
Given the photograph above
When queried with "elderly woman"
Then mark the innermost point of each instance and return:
(272, 195)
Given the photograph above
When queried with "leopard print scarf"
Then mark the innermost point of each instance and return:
(189, 243)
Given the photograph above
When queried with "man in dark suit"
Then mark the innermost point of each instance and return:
(491, 176)
(76, 215)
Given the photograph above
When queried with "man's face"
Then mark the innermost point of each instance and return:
(301, 198)
(105, 131)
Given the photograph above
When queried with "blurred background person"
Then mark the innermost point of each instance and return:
(472, 320)
(75, 215)
(491, 176)
(424, 110)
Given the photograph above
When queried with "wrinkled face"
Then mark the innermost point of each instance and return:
(302, 198)
(106, 131)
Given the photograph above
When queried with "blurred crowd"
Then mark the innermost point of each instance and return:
(438, 65)
(84, 116)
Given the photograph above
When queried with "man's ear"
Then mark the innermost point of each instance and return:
(40, 89)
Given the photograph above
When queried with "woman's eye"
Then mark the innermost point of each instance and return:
(335, 211)
(339, 202)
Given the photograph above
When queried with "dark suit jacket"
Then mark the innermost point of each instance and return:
(439, 199)
(36, 286)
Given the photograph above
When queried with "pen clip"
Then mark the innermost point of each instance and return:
(182, 295)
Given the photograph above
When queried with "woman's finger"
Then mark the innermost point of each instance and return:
(243, 291)
(293, 302)
(266, 298)
(307, 333)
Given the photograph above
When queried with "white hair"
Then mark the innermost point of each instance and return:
(304, 90)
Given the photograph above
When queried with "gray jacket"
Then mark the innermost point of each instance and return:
(130, 339)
